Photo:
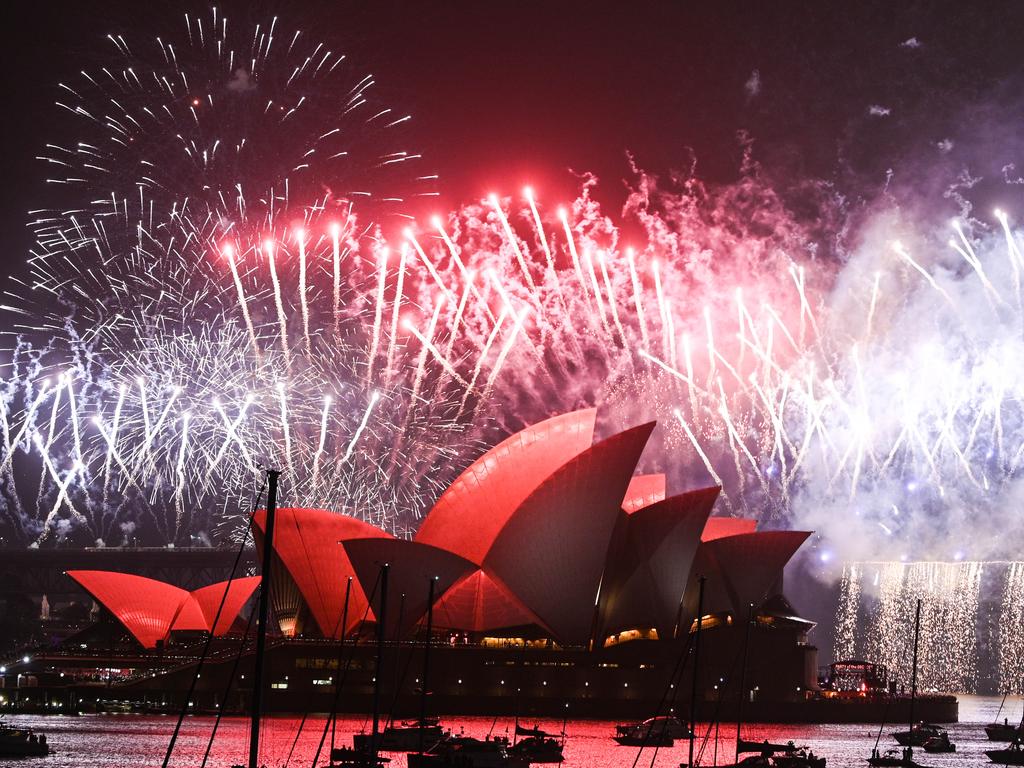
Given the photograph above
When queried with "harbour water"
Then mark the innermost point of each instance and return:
(115, 740)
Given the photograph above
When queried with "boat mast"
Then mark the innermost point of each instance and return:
(375, 739)
(426, 658)
(743, 681)
(263, 610)
(696, 660)
(338, 679)
(913, 676)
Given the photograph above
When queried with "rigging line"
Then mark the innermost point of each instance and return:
(718, 705)
(677, 672)
(209, 637)
(674, 686)
(341, 682)
(342, 621)
(227, 689)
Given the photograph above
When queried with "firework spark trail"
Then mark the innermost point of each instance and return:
(378, 312)
(362, 426)
(269, 250)
(336, 274)
(322, 441)
(112, 443)
(229, 255)
(396, 307)
(231, 434)
(282, 394)
(300, 236)
(179, 491)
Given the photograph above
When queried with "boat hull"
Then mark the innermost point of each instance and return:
(1001, 731)
(1006, 756)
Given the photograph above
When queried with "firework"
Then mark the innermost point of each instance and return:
(224, 294)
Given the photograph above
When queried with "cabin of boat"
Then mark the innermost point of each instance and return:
(918, 735)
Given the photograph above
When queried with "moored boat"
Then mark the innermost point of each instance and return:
(918, 735)
(652, 732)
(22, 742)
(776, 756)
(539, 749)
(797, 757)
(939, 743)
(1011, 755)
(892, 758)
(1003, 731)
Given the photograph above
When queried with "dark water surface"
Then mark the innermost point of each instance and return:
(104, 741)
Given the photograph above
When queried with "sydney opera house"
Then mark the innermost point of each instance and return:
(561, 579)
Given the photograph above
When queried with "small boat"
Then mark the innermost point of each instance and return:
(652, 732)
(939, 744)
(466, 752)
(797, 757)
(1012, 755)
(893, 758)
(22, 742)
(408, 736)
(539, 749)
(770, 755)
(1002, 731)
(918, 735)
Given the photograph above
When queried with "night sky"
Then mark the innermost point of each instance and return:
(505, 94)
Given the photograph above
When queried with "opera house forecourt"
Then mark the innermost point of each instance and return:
(562, 582)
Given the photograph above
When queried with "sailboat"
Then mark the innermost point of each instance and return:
(893, 758)
(1004, 731)
(423, 732)
(366, 754)
(766, 754)
(539, 746)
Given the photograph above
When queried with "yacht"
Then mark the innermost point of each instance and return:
(652, 732)
(939, 743)
(918, 735)
(539, 749)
